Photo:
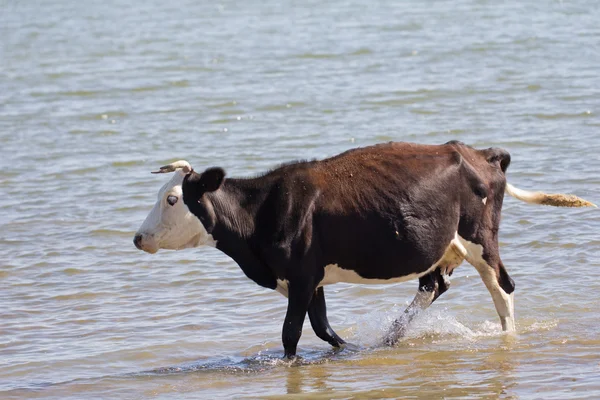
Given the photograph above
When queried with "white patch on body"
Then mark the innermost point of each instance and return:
(484, 201)
(335, 274)
(172, 227)
(453, 256)
(504, 302)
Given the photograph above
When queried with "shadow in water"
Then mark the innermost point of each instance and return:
(260, 362)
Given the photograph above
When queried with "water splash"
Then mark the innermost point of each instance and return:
(433, 325)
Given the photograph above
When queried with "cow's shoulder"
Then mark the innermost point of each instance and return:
(284, 218)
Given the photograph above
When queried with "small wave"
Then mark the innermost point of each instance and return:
(423, 111)
(80, 295)
(361, 51)
(104, 115)
(129, 163)
(278, 107)
(108, 132)
(180, 83)
(584, 114)
(112, 232)
(316, 56)
(73, 271)
(231, 103)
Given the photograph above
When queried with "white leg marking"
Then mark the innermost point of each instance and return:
(282, 287)
(330, 332)
(503, 301)
(421, 301)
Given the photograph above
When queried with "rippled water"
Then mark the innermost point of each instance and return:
(94, 95)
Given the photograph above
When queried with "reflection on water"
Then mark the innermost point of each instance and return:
(95, 96)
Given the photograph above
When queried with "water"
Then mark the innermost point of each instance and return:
(95, 95)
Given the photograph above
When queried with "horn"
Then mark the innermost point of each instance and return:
(181, 164)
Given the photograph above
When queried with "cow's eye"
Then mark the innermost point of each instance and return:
(172, 200)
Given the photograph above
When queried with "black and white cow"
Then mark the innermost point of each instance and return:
(381, 214)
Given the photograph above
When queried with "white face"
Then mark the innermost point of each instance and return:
(170, 224)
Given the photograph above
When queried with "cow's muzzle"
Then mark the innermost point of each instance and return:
(137, 241)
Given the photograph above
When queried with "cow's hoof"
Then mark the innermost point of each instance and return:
(292, 358)
(392, 338)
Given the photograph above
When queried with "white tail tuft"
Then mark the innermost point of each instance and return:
(556, 200)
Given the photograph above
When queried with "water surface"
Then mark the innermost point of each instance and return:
(94, 95)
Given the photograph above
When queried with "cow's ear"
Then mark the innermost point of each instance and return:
(212, 178)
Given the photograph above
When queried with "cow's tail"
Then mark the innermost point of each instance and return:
(557, 200)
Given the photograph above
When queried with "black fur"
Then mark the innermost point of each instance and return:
(384, 211)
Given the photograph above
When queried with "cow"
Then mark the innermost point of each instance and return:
(381, 214)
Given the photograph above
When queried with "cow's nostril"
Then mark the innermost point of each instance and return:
(137, 240)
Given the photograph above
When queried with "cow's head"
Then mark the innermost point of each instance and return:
(170, 224)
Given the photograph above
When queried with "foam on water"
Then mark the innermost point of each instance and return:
(436, 325)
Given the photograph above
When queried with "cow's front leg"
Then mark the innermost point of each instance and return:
(317, 313)
(300, 294)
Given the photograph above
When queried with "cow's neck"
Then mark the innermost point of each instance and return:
(235, 205)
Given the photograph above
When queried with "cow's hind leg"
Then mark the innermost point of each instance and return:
(317, 313)
(431, 286)
(496, 279)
